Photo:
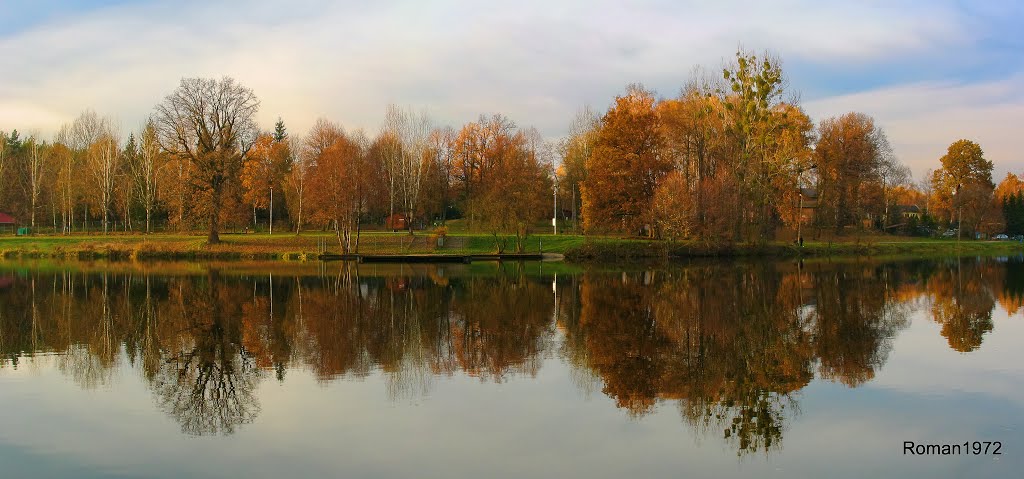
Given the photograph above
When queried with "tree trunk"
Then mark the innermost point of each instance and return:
(358, 231)
(214, 236)
(298, 221)
(337, 232)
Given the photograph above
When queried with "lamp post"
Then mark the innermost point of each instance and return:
(554, 216)
(800, 209)
(959, 214)
(800, 215)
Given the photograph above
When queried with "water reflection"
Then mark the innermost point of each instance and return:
(728, 344)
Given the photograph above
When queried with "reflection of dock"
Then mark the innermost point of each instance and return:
(434, 258)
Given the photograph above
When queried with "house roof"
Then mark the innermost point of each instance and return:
(903, 209)
(6, 219)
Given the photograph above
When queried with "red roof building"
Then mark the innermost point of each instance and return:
(7, 220)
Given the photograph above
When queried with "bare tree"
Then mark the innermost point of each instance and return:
(210, 123)
(35, 175)
(443, 148)
(406, 159)
(394, 122)
(145, 169)
(103, 165)
(891, 173)
(297, 180)
(78, 137)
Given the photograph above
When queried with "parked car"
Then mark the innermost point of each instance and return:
(1000, 237)
(949, 234)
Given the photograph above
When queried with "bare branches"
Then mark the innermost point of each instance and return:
(211, 124)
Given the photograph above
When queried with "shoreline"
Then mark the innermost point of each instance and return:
(478, 247)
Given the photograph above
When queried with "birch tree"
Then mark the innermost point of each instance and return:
(414, 135)
(78, 136)
(145, 169)
(394, 122)
(295, 184)
(102, 166)
(36, 160)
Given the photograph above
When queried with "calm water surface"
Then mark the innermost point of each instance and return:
(780, 369)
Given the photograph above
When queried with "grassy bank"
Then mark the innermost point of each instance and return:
(629, 250)
(595, 248)
(307, 246)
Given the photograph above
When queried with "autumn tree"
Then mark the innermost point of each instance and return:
(693, 125)
(963, 167)
(82, 137)
(210, 123)
(263, 171)
(503, 177)
(258, 177)
(517, 191)
(574, 151)
(625, 165)
(295, 185)
(853, 161)
(439, 173)
(1010, 196)
(674, 207)
(95, 140)
(337, 181)
(470, 147)
(770, 139)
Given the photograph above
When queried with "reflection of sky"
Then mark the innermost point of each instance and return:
(525, 427)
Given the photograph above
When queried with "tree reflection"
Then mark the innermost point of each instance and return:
(962, 307)
(208, 383)
(731, 343)
(728, 344)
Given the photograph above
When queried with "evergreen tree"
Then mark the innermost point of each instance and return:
(280, 132)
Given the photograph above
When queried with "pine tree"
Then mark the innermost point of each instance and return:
(280, 132)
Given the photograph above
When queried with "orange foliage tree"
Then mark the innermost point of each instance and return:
(625, 166)
(336, 185)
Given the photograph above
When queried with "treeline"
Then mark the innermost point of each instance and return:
(733, 157)
(411, 174)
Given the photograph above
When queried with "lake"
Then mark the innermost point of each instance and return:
(702, 369)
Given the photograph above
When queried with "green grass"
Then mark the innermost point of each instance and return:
(307, 246)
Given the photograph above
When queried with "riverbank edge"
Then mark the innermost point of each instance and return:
(588, 250)
(595, 251)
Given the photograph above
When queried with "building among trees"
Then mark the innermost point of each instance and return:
(7, 223)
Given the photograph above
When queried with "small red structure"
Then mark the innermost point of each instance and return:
(396, 221)
(7, 222)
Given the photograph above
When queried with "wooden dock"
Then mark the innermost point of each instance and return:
(431, 258)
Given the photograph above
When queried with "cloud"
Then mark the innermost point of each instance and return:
(536, 62)
(923, 119)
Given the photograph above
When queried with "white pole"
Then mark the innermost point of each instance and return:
(554, 217)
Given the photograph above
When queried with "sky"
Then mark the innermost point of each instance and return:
(928, 72)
